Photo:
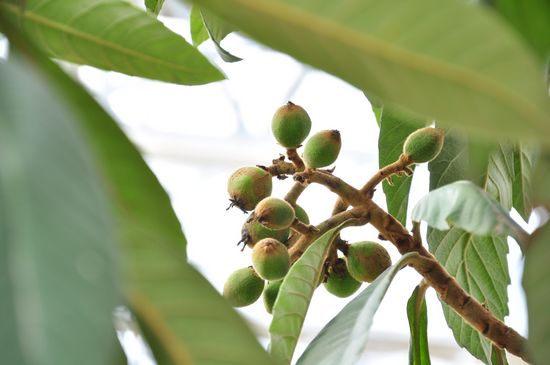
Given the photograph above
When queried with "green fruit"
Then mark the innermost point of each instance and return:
(270, 259)
(290, 125)
(275, 213)
(301, 214)
(322, 148)
(248, 185)
(243, 287)
(366, 260)
(270, 294)
(339, 281)
(424, 144)
(253, 231)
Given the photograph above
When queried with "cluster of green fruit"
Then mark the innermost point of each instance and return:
(273, 221)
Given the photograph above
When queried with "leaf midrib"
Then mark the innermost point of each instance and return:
(378, 49)
(37, 18)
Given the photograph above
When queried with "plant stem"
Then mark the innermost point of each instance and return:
(401, 165)
(294, 193)
(446, 286)
(293, 156)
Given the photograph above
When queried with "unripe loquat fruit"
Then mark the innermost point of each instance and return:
(290, 125)
(270, 259)
(275, 213)
(366, 260)
(247, 186)
(322, 148)
(243, 287)
(424, 145)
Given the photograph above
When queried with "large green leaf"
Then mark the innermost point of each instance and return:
(465, 205)
(112, 35)
(531, 18)
(185, 312)
(478, 263)
(58, 276)
(290, 308)
(394, 130)
(524, 168)
(343, 339)
(443, 59)
(417, 314)
(535, 283)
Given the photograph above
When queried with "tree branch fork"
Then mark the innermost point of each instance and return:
(364, 211)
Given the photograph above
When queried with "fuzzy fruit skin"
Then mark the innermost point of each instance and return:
(270, 294)
(301, 214)
(366, 260)
(322, 149)
(253, 231)
(275, 213)
(248, 185)
(290, 125)
(270, 259)
(243, 287)
(424, 144)
(339, 281)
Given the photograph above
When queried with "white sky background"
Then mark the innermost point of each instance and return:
(195, 137)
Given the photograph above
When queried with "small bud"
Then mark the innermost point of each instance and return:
(424, 144)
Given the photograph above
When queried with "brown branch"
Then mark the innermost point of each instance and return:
(348, 193)
(302, 228)
(360, 214)
(280, 168)
(446, 286)
(398, 167)
(294, 193)
(293, 156)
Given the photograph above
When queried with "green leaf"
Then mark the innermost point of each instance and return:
(112, 35)
(440, 59)
(465, 205)
(343, 339)
(452, 162)
(524, 167)
(290, 308)
(394, 130)
(417, 313)
(531, 18)
(198, 31)
(154, 6)
(535, 283)
(185, 312)
(478, 263)
(58, 276)
(217, 30)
